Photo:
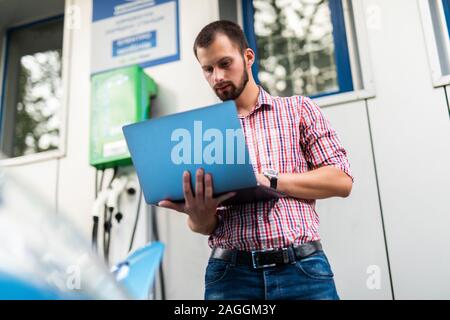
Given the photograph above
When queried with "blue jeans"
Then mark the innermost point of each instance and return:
(310, 278)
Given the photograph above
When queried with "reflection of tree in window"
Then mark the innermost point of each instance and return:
(39, 100)
(295, 46)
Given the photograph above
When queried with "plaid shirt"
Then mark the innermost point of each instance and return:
(289, 134)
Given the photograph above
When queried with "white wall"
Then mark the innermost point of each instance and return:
(398, 144)
(351, 228)
(411, 134)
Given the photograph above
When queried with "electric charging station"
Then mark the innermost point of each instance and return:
(118, 97)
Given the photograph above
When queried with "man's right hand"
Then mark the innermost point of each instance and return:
(201, 208)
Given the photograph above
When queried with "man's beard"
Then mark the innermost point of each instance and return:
(232, 92)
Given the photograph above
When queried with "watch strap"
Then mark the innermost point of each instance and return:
(273, 183)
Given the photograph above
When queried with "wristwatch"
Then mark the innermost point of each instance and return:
(272, 175)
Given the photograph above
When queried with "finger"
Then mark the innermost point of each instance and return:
(171, 205)
(208, 187)
(224, 197)
(199, 191)
(187, 191)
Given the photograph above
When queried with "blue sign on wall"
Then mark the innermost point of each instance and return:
(143, 41)
(128, 32)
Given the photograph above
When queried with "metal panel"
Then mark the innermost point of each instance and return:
(351, 228)
(411, 136)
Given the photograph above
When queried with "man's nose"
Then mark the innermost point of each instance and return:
(218, 75)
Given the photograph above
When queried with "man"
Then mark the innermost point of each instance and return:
(269, 249)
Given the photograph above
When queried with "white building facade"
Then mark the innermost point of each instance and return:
(388, 240)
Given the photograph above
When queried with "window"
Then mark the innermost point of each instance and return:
(301, 46)
(436, 25)
(32, 89)
(446, 8)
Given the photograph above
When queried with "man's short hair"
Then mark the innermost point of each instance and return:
(228, 28)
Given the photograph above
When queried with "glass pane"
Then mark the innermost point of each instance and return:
(296, 47)
(33, 89)
(39, 100)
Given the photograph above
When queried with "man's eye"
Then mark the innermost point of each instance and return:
(225, 64)
(208, 70)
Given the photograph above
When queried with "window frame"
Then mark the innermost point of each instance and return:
(60, 152)
(352, 61)
(437, 39)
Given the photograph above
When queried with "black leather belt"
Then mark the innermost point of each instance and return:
(267, 258)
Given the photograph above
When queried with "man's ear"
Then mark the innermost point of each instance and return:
(250, 57)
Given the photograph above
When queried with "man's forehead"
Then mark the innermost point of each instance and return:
(219, 49)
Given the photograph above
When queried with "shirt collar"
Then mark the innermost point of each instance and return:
(264, 98)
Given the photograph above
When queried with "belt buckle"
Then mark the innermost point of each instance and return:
(285, 254)
(255, 262)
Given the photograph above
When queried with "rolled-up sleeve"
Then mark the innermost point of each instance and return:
(319, 141)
